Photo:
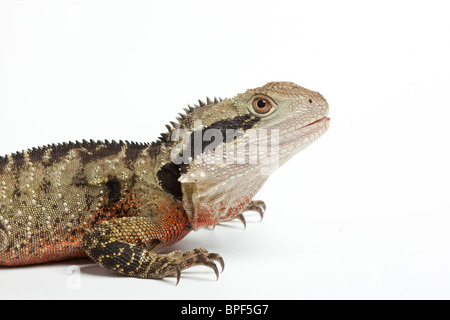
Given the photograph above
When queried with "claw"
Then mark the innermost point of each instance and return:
(222, 263)
(218, 258)
(214, 257)
(242, 219)
(216, 271)
(258, 206)
(199, 257)
(178, 274)
(262, 204)
(261, 212)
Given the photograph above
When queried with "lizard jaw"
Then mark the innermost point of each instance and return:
(301, 136)
(324, 119)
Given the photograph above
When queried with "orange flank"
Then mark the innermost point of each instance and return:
(66, 242)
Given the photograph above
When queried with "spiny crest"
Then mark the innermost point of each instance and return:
(165, 137)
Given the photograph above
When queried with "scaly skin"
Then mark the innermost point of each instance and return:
(122, 203)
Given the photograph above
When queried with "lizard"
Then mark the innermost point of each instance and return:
(123, 204)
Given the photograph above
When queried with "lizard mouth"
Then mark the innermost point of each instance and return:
(300, 136)
(312, 127)
(324, 119)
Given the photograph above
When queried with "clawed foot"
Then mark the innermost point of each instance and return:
(180, 261)
(197, 257)
(256, 205)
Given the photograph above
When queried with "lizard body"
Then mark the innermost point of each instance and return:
(121, 203)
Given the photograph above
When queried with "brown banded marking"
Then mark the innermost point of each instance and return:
(87, 150)
(114, 189)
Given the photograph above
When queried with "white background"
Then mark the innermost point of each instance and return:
(363, 213)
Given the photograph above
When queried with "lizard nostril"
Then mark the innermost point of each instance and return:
(310, 101)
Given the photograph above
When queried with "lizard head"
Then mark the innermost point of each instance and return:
(221, 152)
(284, 113)
(296, 115)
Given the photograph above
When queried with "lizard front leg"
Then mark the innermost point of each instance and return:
(129, 246)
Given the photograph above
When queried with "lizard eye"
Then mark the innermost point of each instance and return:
(261, 106)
